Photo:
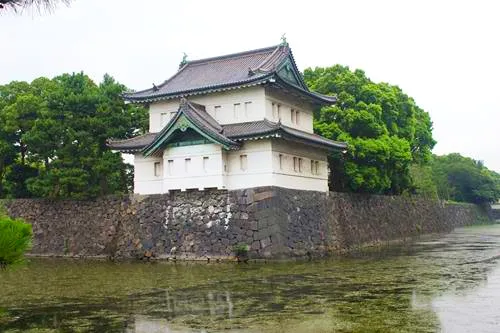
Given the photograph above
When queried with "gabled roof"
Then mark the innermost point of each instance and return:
(231, 71)
(193, 116)
(230, 136)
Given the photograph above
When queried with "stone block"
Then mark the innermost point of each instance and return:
(263, 195)
(253, 225)
(265, 242)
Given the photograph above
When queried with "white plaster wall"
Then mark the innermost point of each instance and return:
(305, 111)
(259, 165)
(200, 174)
(223, 168)
(226, 113)
(160, 113)
(145, 181)
(304, 179)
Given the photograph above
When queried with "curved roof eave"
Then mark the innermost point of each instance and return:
(199, 91)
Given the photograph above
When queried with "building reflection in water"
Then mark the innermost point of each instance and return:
(211, 304)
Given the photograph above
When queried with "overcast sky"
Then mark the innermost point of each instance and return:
(445, 54)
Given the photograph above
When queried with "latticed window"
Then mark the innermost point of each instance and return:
(205, 163)
(170, 167)
(243, 162)
(157, 169)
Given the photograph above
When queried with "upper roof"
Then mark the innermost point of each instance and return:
(230, 136)
(231, 71)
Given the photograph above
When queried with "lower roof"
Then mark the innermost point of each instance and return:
(240, 132)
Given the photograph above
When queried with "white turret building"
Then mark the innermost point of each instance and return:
(231, 122)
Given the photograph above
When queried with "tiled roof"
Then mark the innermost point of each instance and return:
(202, 122)
(266, 128)
(231, 71)
(133, 144)
(238, 68)
(232, 133)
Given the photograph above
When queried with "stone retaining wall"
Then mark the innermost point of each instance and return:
(495, 212)
(273, 222)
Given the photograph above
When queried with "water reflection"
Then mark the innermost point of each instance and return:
(472, 311)
(447, 283)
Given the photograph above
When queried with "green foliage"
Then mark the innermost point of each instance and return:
(15, 239)
(423, 181)
(53, 136)
(385, 129)
(463, 179)
(241, 251)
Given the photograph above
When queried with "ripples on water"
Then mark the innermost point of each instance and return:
(449, 283)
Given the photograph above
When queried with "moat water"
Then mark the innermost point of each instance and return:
(445, 283)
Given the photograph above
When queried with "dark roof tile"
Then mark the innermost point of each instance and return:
(218, 71)
(133, 144)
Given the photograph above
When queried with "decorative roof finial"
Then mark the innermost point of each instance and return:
(184, 60)
(155, 88)
(283, 40)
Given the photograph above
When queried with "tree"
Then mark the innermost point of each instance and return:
(384, 128)
(460, 178)
(15, 240)
(17, 5)
(58, 129)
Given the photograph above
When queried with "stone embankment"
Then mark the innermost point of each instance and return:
(495, 212)
(273, 222)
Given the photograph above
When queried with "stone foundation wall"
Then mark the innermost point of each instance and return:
(273, 222)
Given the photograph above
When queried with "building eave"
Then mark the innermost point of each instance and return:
(200, 91)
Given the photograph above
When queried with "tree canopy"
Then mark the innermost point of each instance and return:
(386, 131)
(53, 136)
(38, 4)
(460, 178)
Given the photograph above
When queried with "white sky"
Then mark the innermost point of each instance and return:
(445, 54)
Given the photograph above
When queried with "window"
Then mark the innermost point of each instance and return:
(295, 116)
(248, 106)
(300, 165)
(314, 167)
(205, 163)
(157, 169)
(187, 164)
(237, 110)
(243, 162)
(170, 167)
(295, 164)
(217, 110)
(292, 116)
(275, 115)
(172, 114)
(280, 157)
(164, 119)
(278, 108)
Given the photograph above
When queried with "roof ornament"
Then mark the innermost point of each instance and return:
(184, 60)
(251, 72)
(155, 88)
(283, 40)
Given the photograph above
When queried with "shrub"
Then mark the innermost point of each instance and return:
(15, 239)
(241, 252)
